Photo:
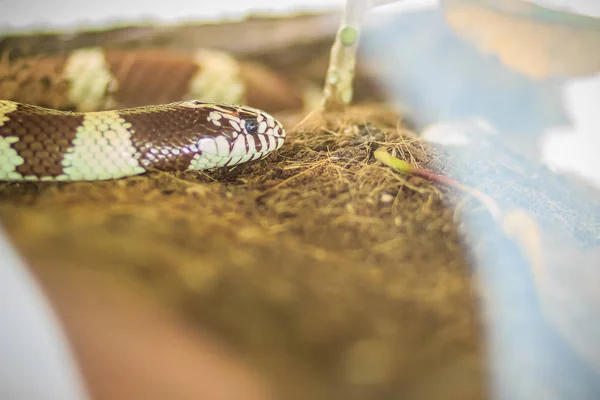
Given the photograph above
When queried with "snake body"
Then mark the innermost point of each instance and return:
(38, 143)
(97, 79)
(94, 117)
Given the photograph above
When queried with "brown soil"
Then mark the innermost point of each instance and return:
(325, 266)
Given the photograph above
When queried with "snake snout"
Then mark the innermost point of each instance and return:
(248, 134)
(269, 134)
(222, 150)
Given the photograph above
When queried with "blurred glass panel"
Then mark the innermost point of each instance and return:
(506, 92)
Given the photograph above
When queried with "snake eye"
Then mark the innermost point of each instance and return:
(251, 126)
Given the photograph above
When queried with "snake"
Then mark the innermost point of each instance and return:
(106, 127)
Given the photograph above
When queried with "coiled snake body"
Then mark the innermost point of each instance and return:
(38, 143)
(42, 144)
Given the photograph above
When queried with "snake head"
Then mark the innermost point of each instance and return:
(240, 134)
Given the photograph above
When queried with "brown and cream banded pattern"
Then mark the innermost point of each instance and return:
(44, 144)
(97, 79)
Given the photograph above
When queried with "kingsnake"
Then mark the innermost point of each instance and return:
(104, 128)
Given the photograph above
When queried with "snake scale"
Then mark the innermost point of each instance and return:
(95, 116)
